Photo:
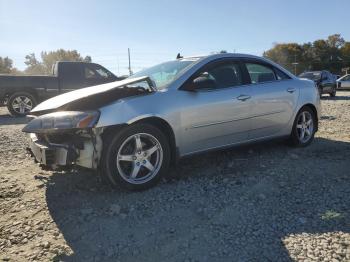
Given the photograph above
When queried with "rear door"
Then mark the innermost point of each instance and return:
(70, 76)
(345, 82)
(274, 98)
(326, 82)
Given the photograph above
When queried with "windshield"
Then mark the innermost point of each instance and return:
(163, 74)
(311, 75)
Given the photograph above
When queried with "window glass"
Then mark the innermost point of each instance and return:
(280, 75)
(89, 73)
(324, 76)
(94, 71)
(260, 73)
(165, 73)
(140, 84)
(311, 75)
(347, 78)
(224, 75)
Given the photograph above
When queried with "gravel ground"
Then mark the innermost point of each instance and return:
(265, 202)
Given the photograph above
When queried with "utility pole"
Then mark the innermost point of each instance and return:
(130, 72)
(295, 64)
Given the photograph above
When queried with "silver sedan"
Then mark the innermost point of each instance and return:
(344, 82)
(132, 130)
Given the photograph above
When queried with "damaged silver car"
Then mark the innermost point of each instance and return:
(132, 130)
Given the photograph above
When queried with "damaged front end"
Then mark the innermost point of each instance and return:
(63, 131)
(63, 139)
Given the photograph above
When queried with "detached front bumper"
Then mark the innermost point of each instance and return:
(51, 155)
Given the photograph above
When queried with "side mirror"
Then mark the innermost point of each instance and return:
(201, 82)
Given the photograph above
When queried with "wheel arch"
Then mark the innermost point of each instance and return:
(166, 128)
(157, 122)
(30, 91)
(314, 110)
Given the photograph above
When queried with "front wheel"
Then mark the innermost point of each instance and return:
(21, 103)
(304, 128)
(135, 157)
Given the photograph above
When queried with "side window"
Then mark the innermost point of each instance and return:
(224, 75)
(260, 73)
(93, 71)
(280, 75)
(324, 76)
(330, 76)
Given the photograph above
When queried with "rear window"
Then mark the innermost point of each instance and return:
(260, 73)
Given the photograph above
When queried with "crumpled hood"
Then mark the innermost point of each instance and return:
(92, 97)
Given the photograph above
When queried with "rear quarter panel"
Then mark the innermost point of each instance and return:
(309, 95)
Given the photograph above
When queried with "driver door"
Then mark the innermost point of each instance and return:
(217, 116)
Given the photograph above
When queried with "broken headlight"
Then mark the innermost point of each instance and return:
(62, 121)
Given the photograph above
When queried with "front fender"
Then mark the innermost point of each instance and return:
(122, 112)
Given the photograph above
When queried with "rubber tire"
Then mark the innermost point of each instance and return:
(112, 143)
(334, 92)
(293, 139)
(13, 96)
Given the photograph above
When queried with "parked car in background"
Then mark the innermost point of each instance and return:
(133, 129)
(344, 82)
(22, 93)
(325, 81)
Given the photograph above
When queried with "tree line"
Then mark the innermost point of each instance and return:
(43, 66)
(332, 54)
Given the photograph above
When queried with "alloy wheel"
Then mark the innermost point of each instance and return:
(22, 104)
(305, 126)
(139, 158)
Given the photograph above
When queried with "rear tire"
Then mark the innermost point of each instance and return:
(21, 103)
(304, 127)
(135, 157)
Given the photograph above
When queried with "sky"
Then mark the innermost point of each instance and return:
(155, 31)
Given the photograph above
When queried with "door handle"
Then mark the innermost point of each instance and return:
(243, 97)
(291, 90)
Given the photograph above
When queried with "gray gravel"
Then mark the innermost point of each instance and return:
(265, 202)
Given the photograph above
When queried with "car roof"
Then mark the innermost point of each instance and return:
(211, 57)
(222, 55)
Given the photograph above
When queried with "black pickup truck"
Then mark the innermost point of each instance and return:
(21, 93)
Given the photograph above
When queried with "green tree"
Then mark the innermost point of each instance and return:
(331, 54)
(345, 51)
(5, 65)
(285, 54)
(48, 59)
(34, 67)
(335, 41)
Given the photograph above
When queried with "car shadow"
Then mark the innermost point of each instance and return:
(336, 98)
(344, 95)
(328, 118)
(240, 202)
